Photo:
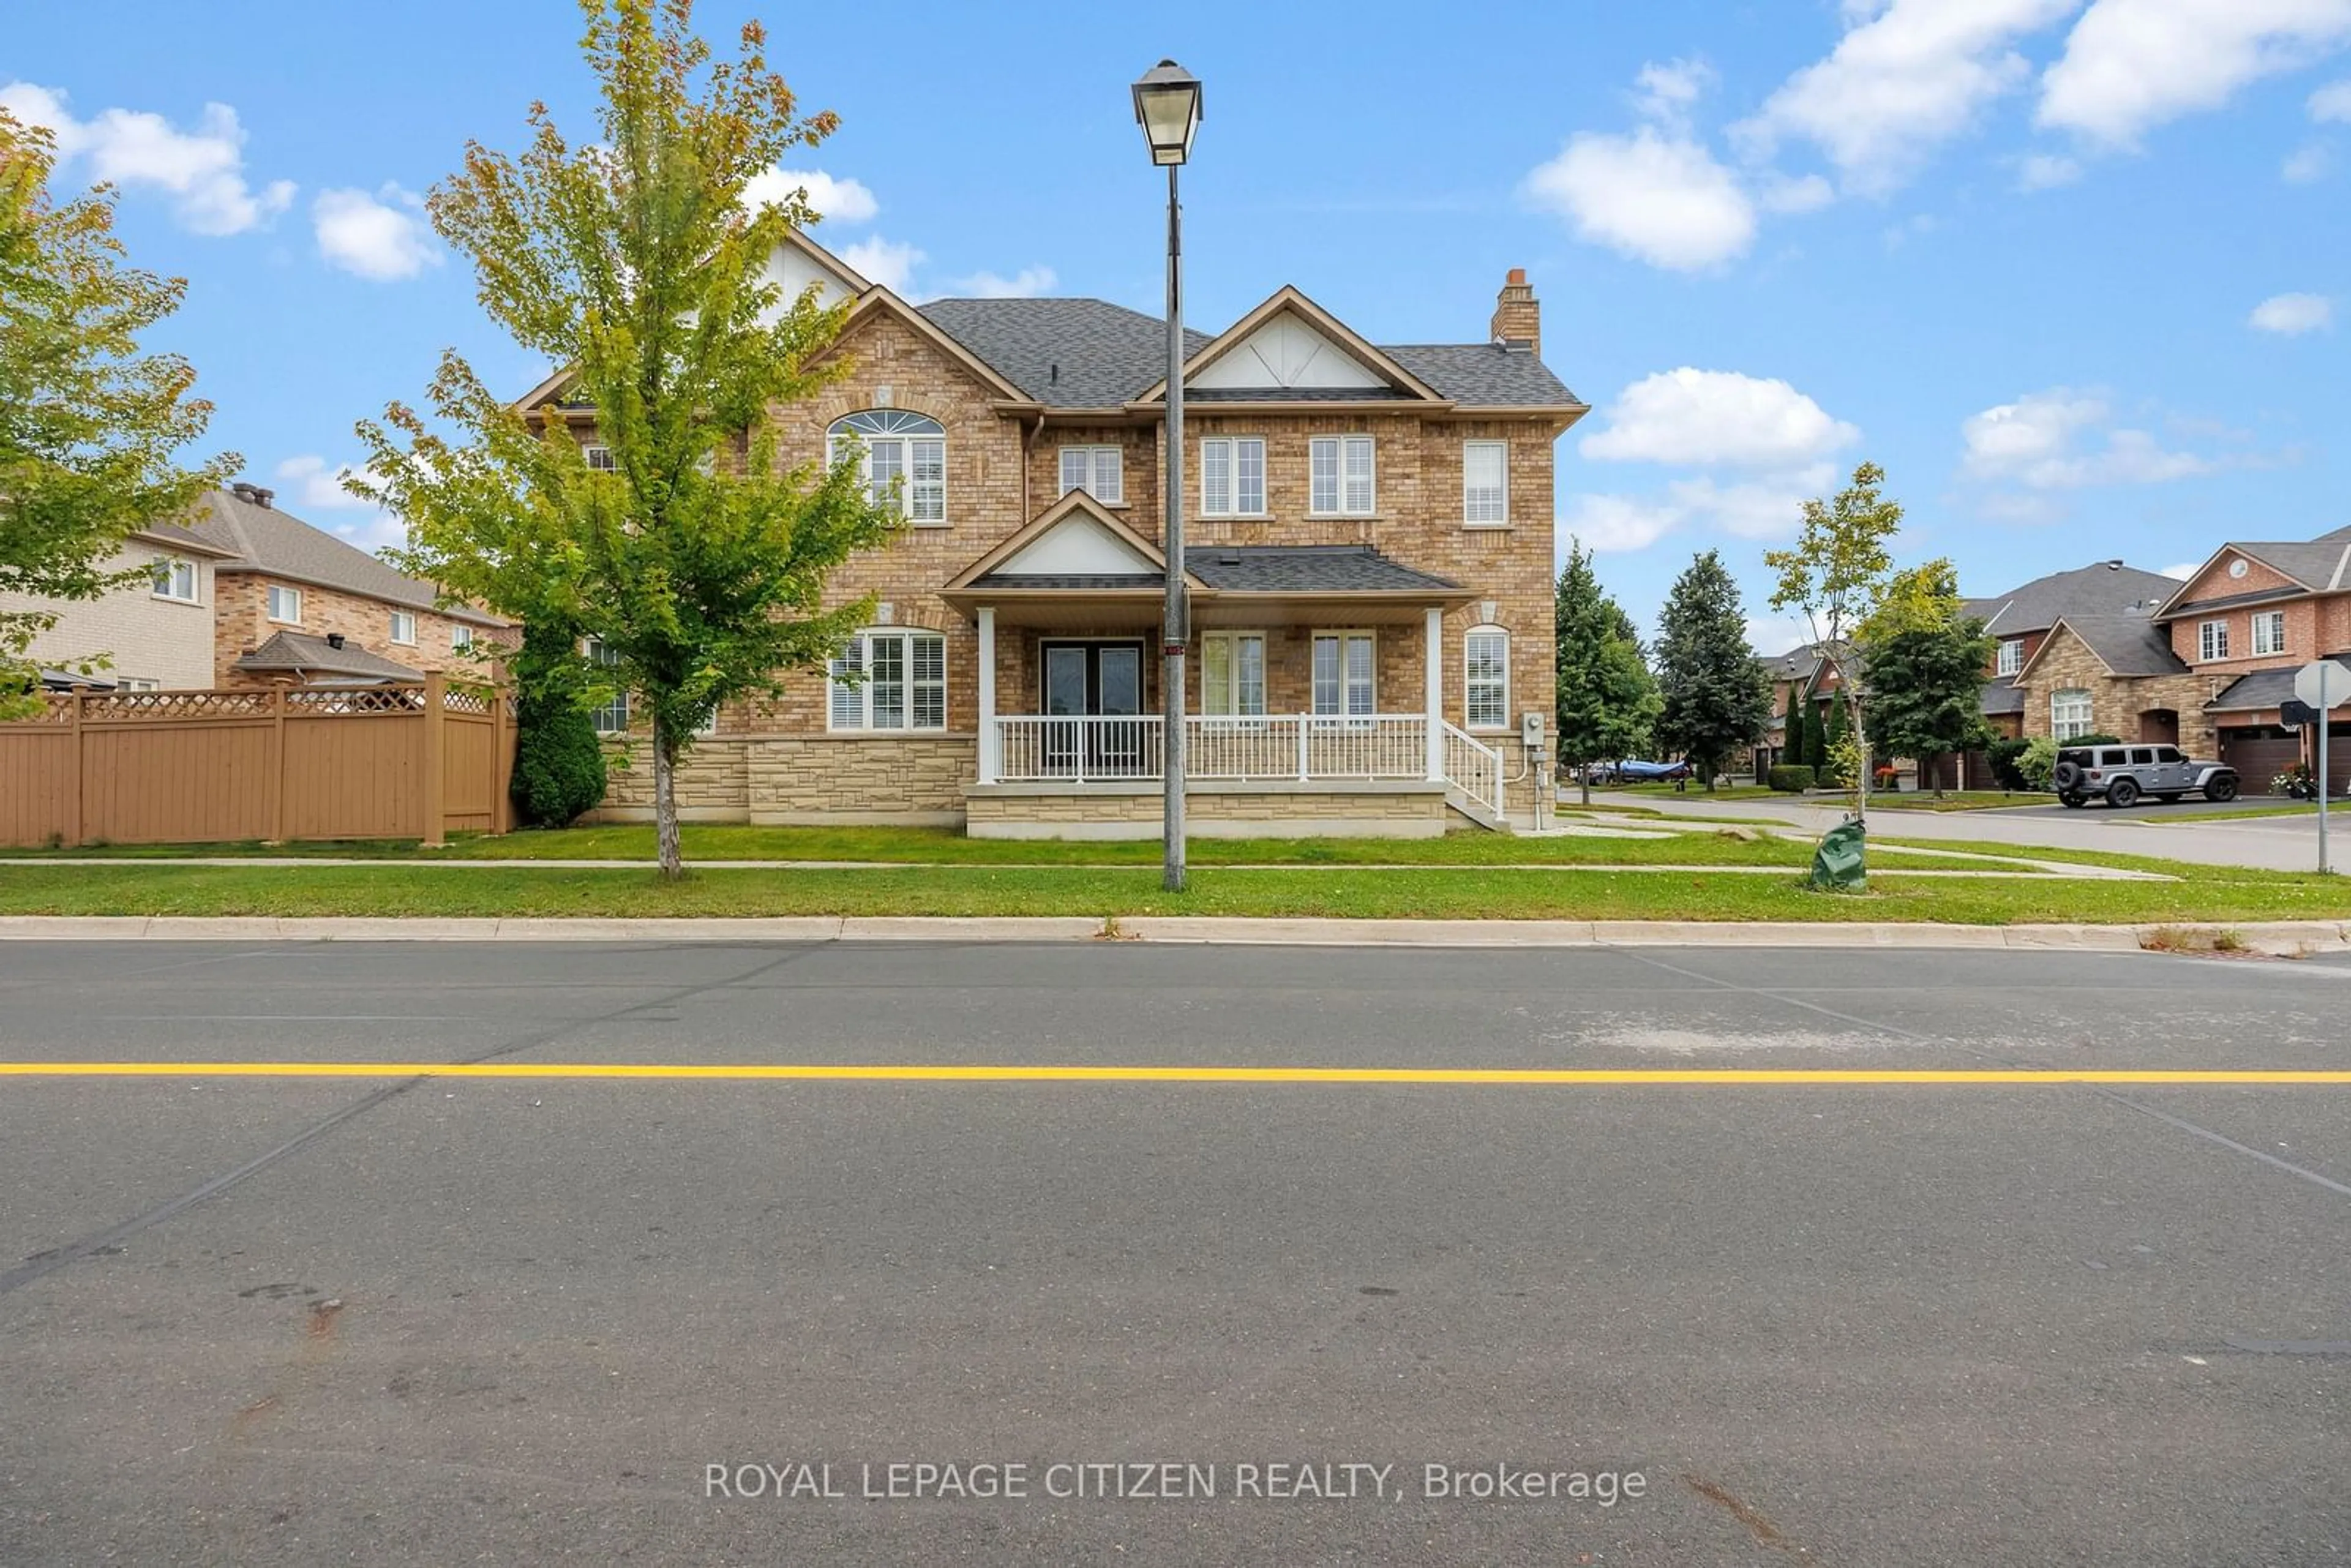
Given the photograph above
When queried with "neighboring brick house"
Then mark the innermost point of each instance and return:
(2023, 619)
(2244, 621)
(292, 604)
(1368, 548)
(156, 634)
(1801, 678)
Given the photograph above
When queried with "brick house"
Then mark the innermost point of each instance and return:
(2244, 622)
(157, 632)
(1368, 551)
(292, 604)
(2023, 618)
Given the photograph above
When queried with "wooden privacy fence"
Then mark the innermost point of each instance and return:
(292, 762)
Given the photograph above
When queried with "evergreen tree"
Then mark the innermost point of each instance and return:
(1816, 739)
(1926, 661)
(1717, 695)
(1794, 753)
(1607, 699)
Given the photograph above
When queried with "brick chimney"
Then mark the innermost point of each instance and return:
(1518, 319)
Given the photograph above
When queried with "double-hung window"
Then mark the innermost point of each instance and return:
(461, 638)
(889, 679)
(286, 604)
(904, 461)
(403, 628)
(611, 715)
(599, 458)
(2212, 639)
(1485, 483)
(175, 579)
(1486, 655)
(1232, 674)
(1343, 662)
(1096, 470)
(2012, 656)
(1232, 476)
(2069, 713)
(1339, 474)
(2269, 633)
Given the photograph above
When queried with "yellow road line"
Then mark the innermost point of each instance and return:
(917, 1072)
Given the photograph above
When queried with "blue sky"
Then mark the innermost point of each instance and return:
(2076, 272)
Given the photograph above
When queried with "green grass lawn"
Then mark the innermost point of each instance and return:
(1952, 800)
(2201, 894)
(2233, 813)
(1695, 792)
(709, 841)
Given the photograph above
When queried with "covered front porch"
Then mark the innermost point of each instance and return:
(1298, 659)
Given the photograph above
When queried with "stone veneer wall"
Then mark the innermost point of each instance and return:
(1211, 811)
(2117, 701)
(802, 780)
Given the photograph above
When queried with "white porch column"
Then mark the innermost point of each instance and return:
(988, 762)
(1435, 696)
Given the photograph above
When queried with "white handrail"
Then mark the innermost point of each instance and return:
(1473, 768)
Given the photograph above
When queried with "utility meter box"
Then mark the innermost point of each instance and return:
(1530, 730)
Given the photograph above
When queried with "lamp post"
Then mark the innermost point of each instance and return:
(1167, 107)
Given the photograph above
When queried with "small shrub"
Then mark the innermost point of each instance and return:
(558, 760)
(1790, 778)
(2037, 761)
(2002, 755)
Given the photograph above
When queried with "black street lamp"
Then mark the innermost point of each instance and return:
(1167, 107)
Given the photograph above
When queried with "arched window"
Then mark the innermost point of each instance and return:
(1486, 654)
(905, 463)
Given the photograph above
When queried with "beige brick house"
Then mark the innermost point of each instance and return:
(155, 634)
(1368, 552)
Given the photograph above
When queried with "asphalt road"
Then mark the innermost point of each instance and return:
(458, 1320)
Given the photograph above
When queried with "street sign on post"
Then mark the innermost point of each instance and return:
(2322, 683)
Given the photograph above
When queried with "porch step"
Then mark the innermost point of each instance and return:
(1476, 811)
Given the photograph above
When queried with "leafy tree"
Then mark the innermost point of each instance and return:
(1717, 695)
(698, 561)
(89, 424)
(1925, 660)
(559, 771)
(1607, 699)
(1838, 573)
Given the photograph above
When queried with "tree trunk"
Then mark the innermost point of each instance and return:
(665, 802)
(1861, 781)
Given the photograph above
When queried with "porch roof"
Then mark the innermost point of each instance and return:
(1233, 585)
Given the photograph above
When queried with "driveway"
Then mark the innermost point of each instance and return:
(401, 1317)
(2260, 843)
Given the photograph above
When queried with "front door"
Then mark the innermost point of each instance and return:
(1094, 693)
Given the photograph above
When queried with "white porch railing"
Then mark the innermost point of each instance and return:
(1034, 747)
(1474, 767)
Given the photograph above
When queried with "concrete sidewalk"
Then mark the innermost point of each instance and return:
(2287, 938)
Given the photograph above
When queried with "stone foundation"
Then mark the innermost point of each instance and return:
(1212, 810)
(792, 779)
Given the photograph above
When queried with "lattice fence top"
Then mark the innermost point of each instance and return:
(115, 706)
(463, 699)
(354, 699)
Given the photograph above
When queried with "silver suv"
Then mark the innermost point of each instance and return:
(2121, 773)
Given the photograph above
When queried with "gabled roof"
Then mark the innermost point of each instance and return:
(1063, 353)
(1076, 508)
(2126, 645)
(2003, 696)
(2103, 588)
(181, 538)
(878, 300)
(2319, 565)
(1290, 300)
(264, 540)
(302, 653)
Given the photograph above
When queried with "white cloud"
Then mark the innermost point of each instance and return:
(1770, 508)
(1906, 78)
(1807, 194)
(313, 486)
(1615, 524)
(1669, 91)
(1656, 196)
(2305, 165)
(1700, 418)
(2332, 101)
(2046, 172)
(1026, 284)
(2036, 442)
(202, 171)
(383, 237)
(2183, 570)
(2290, 315)
(885, 262)
(840, 201)
(2132, 65)
(1772, 635)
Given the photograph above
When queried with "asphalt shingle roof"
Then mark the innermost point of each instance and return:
(2095, 589)
(2127, 644)
(1089, 353)
(1259, 569)
(265, 539)
(2262, 689)
(299, 651)
(2311, 561)
(2003, 696)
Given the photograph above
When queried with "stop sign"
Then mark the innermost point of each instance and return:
(2322, 684)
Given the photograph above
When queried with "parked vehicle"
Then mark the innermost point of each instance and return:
(2119, 775)
(1652, 772)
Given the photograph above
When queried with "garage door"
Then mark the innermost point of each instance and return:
(2338, 758)
(2260, 755)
